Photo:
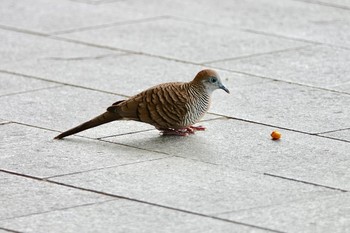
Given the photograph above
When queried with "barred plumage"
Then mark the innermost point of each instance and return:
(171, 107)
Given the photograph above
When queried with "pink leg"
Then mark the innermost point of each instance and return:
(197, 128)
(182, 132)
(176, 132)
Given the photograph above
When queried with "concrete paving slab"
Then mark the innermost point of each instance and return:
(315, 22)
(17, 47)
(63, 108)
(96, 2)
(24, 196)
(320, 66)
(122, 216)
(127, 75)
(247, 146)
(47, 157)
(56, 15)
(332, 3)
(343, 87)
(323, 214)
(341, 134)
(211, 189)
(12, 84)
(285, 105)
(3, 121)
(294, 19)
(193, 42)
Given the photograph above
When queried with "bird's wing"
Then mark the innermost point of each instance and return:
(164, 106)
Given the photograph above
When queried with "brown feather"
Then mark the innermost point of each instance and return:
(99, 120)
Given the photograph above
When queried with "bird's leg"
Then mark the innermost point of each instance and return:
(182, 132)
(197, 128)
(177, 132)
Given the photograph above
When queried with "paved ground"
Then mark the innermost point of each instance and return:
(287, 64)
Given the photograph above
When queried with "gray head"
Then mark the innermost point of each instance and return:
(210, 80)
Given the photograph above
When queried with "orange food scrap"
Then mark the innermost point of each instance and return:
(275, 135)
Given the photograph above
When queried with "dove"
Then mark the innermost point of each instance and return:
(172, 108)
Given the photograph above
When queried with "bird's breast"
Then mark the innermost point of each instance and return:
(196, 109)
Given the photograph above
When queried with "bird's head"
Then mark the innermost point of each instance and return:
(210, 80)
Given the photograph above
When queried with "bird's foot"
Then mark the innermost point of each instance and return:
(182, 132)
(197, 128)
(176, 132)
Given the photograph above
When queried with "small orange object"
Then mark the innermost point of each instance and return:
(275, 135)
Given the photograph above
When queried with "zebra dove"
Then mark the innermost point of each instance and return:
(172, 108)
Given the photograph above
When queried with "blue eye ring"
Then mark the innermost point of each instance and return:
(213, 80)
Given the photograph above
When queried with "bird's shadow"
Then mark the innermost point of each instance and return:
(192, 146)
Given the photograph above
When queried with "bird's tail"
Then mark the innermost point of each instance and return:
(99, 120)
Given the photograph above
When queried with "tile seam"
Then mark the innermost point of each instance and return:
(131, 52)
(10, 230)
(142, 201)
(320, 3)
(62, 83)
(305, 182)
(108, 25)
(333, 131)
(30, 91)
(299, 200)
(258, 54)
(58, 209)
(103, 168)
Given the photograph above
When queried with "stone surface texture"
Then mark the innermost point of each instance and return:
(286, 64)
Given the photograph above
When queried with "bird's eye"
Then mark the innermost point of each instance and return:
(213, 80)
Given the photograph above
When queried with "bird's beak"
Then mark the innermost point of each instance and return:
(224, 88)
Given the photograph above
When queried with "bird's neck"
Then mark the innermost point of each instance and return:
(200, 88)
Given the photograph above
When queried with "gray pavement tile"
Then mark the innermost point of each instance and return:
(335, 3)
(2, 121)
(341, 134)
(57, 15)
(23, 196)
(285, 105)
(11, 84)
(127, 75)
(314, 22)
(320, 66)
(287, 18)
(193, 185)
(247, 146)
(121, 216)
(63, 108)
(184, 40)
(343, 87)
(96, 2)
(32, 151)
(6, 231)
(16, 47)
(324, 214)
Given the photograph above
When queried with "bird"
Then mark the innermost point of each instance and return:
(172, 108)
